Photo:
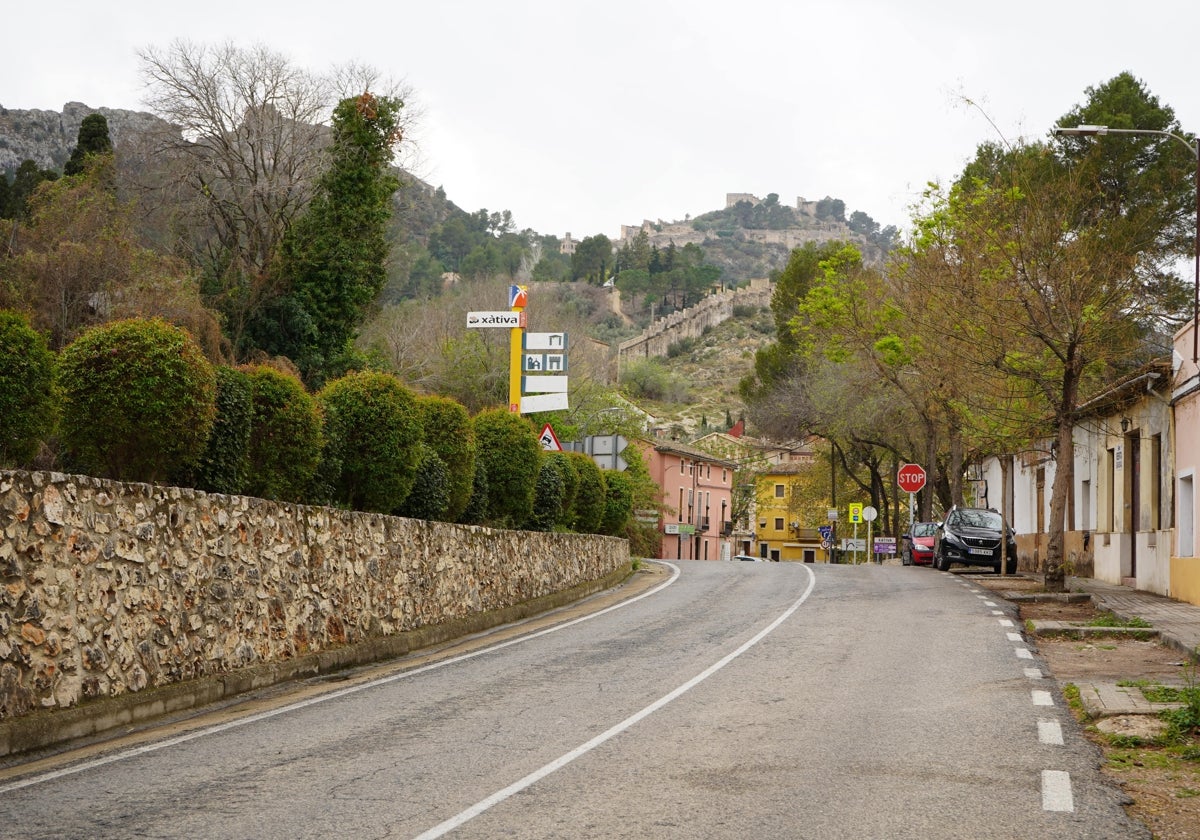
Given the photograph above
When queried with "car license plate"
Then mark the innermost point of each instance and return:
(986, 551)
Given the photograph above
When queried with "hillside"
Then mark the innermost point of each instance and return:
(703, 376)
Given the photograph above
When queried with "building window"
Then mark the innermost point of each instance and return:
(778, 523)
(779, 491)
(681, 466)
(680, 504)
(724, 475)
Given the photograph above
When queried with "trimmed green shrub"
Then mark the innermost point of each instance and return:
(508, 447)
(26, 390)
(475, 513)
(618, 503)
(570, 476)
(285, 436)
(449, 431)
(373, 422)
(548, 495)
(588, 508)
(223, 466)
(139, 400)
(430, 494)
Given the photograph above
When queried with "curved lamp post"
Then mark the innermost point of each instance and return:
(1100, 130)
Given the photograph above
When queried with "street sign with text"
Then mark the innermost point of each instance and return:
(911, 478)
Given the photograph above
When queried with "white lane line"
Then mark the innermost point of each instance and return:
(997, 612)
(1056, 791)
(1042, 698)
(565, 759)
(1024, 653)
(1034, 673)
(1006, 622)
(1014, 637)
(1050, 732)
(989, 603)
(333, 695)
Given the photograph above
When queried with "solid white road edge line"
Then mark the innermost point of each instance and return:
(333, 695)
(565, 759)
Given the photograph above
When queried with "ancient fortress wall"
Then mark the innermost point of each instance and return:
(110, 588)
(693, 321)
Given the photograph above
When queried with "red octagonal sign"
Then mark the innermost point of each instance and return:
(911, 478)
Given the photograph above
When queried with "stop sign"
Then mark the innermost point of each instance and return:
(911, 478)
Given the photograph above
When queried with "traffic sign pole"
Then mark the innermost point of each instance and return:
(518, 296)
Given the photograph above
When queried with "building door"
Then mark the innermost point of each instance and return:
(1133, 455)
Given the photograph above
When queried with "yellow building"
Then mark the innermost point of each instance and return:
(778, 532)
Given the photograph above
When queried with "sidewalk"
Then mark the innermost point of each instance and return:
(1177, 621)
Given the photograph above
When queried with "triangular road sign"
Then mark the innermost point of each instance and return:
(549, 439)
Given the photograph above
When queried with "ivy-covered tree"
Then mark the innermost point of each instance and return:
(333, 257)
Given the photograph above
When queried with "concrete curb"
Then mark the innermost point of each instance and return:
(53, 727)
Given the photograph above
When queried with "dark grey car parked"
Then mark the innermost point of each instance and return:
(972, 537)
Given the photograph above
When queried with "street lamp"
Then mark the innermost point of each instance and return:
(1100, 130)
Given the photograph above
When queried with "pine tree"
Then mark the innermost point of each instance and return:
(93, 139)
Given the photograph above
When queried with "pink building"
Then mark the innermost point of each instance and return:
(697, 500)
(1185, 399)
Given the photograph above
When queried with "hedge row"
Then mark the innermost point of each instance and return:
(137, 401)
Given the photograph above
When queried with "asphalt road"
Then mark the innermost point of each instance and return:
(735, 700)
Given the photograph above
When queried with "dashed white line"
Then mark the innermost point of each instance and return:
(1014, 637)
(1006, 622)
(989, 603)
(1034, 673)
(1056, 791)
(1050, 732)
(1042, 698)
(1024, 653)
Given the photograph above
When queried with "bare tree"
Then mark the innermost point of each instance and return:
(248, 136)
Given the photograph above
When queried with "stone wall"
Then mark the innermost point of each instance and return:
(693, 321)
(110, 588)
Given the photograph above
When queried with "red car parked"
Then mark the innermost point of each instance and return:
(916, 548)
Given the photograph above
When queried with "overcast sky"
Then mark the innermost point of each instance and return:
(583, 117)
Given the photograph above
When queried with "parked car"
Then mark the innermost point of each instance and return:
(972, 537)
(748, 558)
(916, 547)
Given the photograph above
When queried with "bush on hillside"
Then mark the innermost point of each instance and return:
(448, 430)
(373, 423)
(26, 390)
(139, 400)
(285, 436)
(587, 509)
(508, 447)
